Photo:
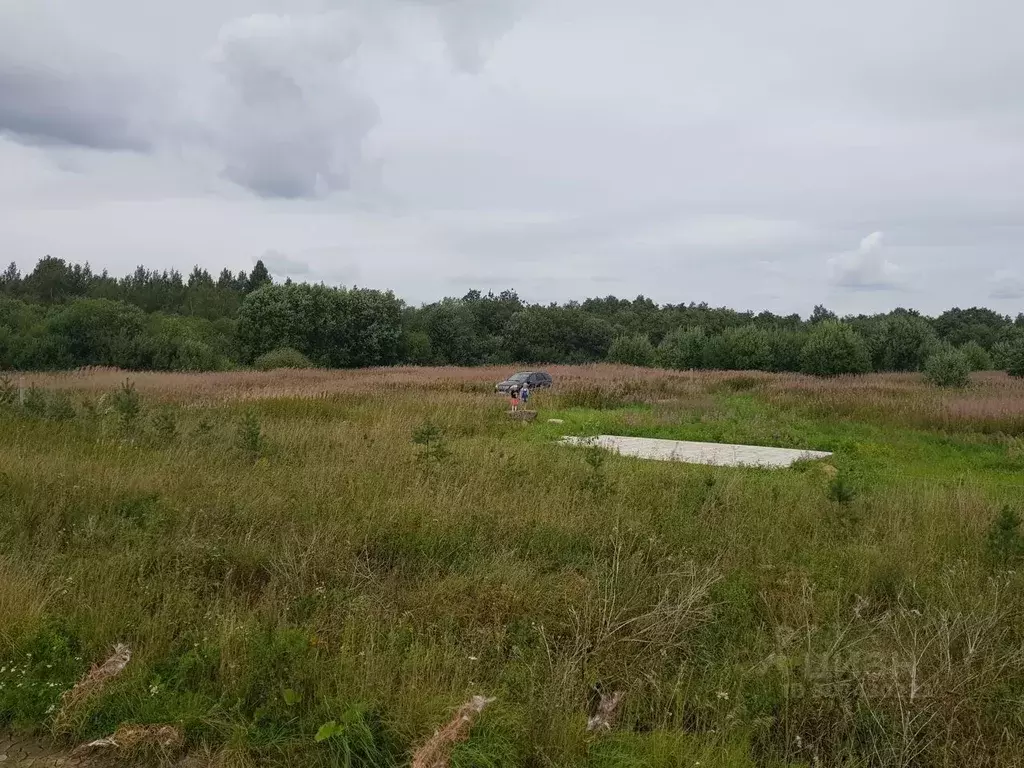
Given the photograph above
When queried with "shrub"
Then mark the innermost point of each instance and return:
(977, 357)
(282, 357)
(949, 368)
(834, 348)
(748, 348)
(840, 490)
(165, 425)
(34, 401)
(1015, 359)
(632, 350)
(431, 443)
(1001, 353)
(682, 349)
(1005, 542)
(904, 343)
(59, 407)
(8, 391)
(249, 436)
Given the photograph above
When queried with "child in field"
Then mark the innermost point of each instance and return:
(524, 394)
(514, 398)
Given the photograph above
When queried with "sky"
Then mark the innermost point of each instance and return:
(772, 156)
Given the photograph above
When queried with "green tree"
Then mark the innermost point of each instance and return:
(416, 348)
(99, 332)
(979, 359)
(453, 332)
(905, 342)
(1015, 358)
(258, 278)
(834, 348)
(748, 348)
(958, 326)
(821, 314)
(333, 327)
(10, 281)
(53, 281)
(632, 350)
(556, 335)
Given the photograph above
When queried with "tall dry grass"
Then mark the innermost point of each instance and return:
(993, 403)
(338, 578)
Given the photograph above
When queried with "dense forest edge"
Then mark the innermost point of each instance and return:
(64, 316)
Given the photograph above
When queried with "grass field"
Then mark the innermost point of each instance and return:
(371, 549)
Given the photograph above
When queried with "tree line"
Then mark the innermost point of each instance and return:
(64, 315)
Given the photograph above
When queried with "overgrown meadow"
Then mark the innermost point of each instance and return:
(319, 568)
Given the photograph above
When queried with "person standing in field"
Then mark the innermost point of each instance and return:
(513, 394)
(524, 394)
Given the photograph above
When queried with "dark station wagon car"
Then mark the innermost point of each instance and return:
(533, 379)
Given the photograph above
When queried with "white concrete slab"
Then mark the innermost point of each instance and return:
(715, 454)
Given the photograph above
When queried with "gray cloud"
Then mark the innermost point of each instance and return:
(1007, 285)
(471, 28)
(282, 265)
(288, 117)
(687, 151)
(39, 106)
(281, 100)
(54, 92)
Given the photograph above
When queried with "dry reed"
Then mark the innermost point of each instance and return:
(131, 738)
(94, 681)
(607, 712)
(437, 750)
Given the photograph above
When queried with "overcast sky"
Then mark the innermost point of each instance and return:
(776, 155)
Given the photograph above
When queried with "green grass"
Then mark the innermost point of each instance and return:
(377, 559)
(877, 451)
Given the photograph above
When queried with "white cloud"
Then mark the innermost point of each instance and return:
(865, 268)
